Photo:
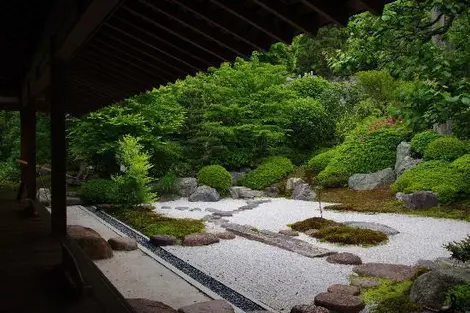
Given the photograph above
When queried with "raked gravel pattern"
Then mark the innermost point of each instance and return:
(282, 279)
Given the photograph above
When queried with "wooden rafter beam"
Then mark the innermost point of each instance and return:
(375, 7)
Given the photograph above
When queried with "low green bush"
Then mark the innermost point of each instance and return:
(461, 293)
(9, 174)
(445, 148)
(462, 165)
(167, 184)
(350, 235)
(269, 172)
(215, 176)
(420, 141)
(369, 148)
(98, 191)
(321, 160)
(310, 86)
(436, 176)
(460, 249)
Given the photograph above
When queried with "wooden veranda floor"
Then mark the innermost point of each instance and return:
(27, 258)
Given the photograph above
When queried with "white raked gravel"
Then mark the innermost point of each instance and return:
(282, 279)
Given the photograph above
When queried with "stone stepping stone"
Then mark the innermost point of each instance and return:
(147, 306)
(246, 208)
(374, 226)
(91, 242)
(213, 306)
(226, 235)
(339, 302)
(182, 208)
(212, 210)
(200, 239)
(195, 210)
(308, 308)
(257, 202)
(350, 290)
(278, 240)
(365, 282)
(123, 243)
(223, 214)
(289, 232)
(163, 240)
(166, 208)
(395, 272)
(344, 258)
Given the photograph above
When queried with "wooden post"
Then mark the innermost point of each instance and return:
(19, 196)
(58, 148)
(30, 133)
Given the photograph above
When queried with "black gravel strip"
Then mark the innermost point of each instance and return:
(225, 292)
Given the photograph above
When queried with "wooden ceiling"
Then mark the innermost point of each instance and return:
(140, 44)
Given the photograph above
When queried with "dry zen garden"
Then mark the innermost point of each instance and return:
(328, 175)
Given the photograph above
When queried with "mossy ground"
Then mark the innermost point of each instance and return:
(383, 201)
(150, 223)
(334, 232)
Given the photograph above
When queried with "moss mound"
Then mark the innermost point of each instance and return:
(369, 148)
(350, 235)
(420, 141)
(215, 176)
(437, 176)
(269, 172)
(312, 223)
(320, 161)
(445, 149)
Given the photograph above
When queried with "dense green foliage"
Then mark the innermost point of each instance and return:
(460, 249)
(99, 191)
(420, 141)
(167, 184)
(269, 172)
(446, 149)
(369, 148)
(462, 165)
(436, 176)
(462, 297)
(133, 183)
(321, 160)
(215, 176)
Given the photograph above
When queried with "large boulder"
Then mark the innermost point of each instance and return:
(91, 242)
(419, 199)
(200, 239)
(213, 306)
(238, 192)
(340, 302)
(149, 306)
(344, 258)
(293, 182)
(204, 194)
(308, 308)
(395, 272)
(122, 243)
(186, 186)
(404, 160)
(372, 180)
(271, 192)
(303, 192)
(430, 288)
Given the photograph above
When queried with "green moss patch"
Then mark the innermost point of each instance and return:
(269, 172)
(150, 223)
(350, 235)
(312, 223)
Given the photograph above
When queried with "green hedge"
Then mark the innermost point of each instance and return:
(369, 148)
(420, 141)
(462, 164)
(98, 191)
(436, 176)
(320, 161)
(215, 176)
(445, 148)
(269, 172)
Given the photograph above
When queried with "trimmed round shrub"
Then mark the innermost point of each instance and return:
(445, 148)
(436, 176)
(320, 161)
(369, 148)
(462, 164)
(269, 172)
(99, 191)
(420, 141)
(215, 176)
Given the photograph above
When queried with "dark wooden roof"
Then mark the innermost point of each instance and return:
(139, 44)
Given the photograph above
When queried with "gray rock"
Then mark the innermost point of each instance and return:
(245, 208)
(289, 232)
(293, 182)
(430, 288)
(255, 203)
(395, 272)
(271, 192)
(200, 239)
(340, 302)
(213, 306)
(195, 210)
(212, 210)
(346, 289)
(419, 199)
(308, 308)
(163, 240)
(374, 226)
(303, 192)
(365, 282)
(90, 241)
(182, 208)
(344, 258)
(122, 243)
(404, 160)
(238, 192)
(226, 235)
(44, 196)
(223, 213)
(186, 186)
(372, 181)
(237, 176)
(149, 306)
(166, 207)
(204, 193)
(428, 264)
